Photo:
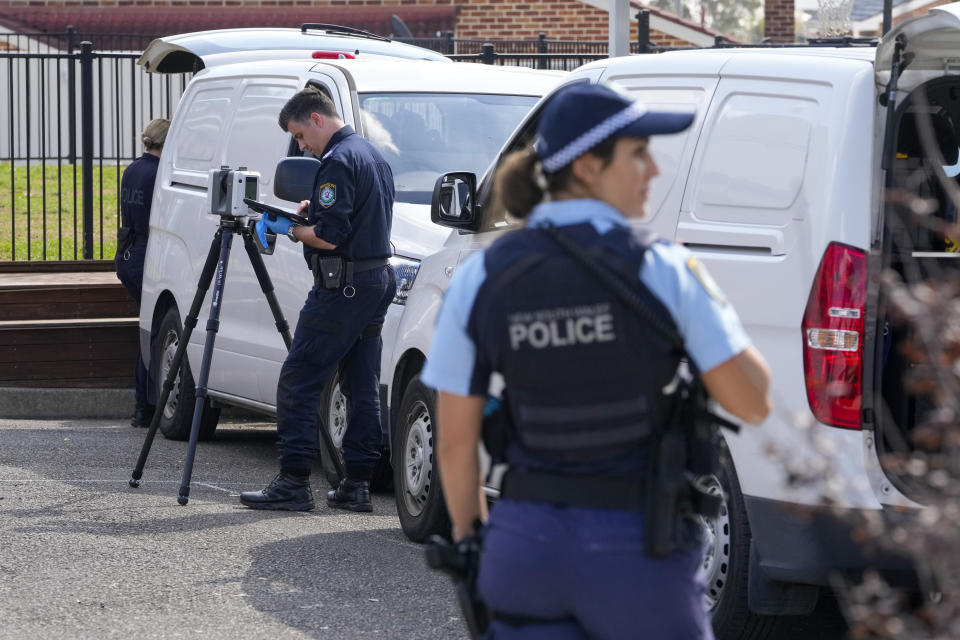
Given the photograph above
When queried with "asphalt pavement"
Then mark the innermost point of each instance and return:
(83, 555)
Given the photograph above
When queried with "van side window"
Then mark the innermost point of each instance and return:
(253, 138)
(203, 123)
(754, 159)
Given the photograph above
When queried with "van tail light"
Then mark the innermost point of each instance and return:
(833, 337)
(333, 55)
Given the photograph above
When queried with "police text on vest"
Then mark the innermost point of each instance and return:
(561, 327)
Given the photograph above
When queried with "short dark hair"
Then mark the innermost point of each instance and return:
(305, 102)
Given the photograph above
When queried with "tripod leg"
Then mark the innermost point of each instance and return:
(206, 275)
(267, 286)
(213, 324)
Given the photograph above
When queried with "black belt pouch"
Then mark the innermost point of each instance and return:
(331, 271)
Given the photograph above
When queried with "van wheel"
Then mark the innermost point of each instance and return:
(332, 416)
(177, 415)
(727, 563)
(416, 483)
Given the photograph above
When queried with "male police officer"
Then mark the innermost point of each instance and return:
(347, 246)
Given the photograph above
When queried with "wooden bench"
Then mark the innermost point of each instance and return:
(67, 324)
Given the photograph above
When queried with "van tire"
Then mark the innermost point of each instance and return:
(176, 417)
(332, 415)
(416, 482)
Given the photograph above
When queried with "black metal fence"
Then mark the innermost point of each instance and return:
(70, 118)
(69, 122)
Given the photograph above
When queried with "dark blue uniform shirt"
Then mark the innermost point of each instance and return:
(136, 193)
(352, 204)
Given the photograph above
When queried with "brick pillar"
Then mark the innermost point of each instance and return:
(778, 20)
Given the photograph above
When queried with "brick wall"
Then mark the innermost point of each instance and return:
(479, 19)
(778, 20)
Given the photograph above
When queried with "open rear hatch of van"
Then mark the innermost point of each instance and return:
(910, 369)
(191, 52)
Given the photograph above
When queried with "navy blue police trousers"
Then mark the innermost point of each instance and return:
(333, 329)
(130, 273)
(572, 573)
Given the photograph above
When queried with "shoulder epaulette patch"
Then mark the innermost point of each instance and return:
(327, 195)
(703, 276)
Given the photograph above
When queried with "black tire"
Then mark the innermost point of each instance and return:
(177, 416)
(332, 415)
(727, 565)
(416, 483)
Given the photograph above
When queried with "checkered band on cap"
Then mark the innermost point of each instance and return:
(593, 137)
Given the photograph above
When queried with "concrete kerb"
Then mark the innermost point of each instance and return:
(27, 402)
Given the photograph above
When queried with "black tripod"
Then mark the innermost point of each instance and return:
(218, 256)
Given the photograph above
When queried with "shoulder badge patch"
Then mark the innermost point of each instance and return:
(327, 195)
(706, 280)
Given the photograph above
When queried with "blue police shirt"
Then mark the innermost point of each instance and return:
(352, 204)
(710, 328)
(136, 194)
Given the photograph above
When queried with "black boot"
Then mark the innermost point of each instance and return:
(142, 416)
(351, 494)
(286, 491)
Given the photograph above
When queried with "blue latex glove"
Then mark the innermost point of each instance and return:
(278, 226)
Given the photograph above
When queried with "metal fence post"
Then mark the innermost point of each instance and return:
(487, 55)
(71, 96)
(643, 31)
(449, 46)
(541, 49)
(86, 133)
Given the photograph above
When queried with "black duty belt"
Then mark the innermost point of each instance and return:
(340, 271)
(576, 491)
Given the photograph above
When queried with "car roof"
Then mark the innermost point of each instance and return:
(194, 51)
(716, 57)
(385, 75)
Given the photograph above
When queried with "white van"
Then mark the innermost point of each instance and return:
(425, 117)
(778, 187)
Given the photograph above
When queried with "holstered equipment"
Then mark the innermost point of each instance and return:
(125, 238)
(461, 561)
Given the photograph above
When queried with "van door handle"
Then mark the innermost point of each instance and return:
(736, 238)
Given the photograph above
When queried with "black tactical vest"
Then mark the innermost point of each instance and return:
(585, 375)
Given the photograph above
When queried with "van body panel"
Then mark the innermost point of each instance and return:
(672, 153)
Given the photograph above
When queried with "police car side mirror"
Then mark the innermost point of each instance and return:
(454, 201)
(294, 178)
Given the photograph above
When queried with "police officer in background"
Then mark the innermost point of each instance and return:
(586, 378)
(347, 245)
(136, 196)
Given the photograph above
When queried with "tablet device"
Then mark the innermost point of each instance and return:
(256, 205)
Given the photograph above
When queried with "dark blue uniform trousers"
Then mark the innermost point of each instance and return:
(130, 272)
(583, 572)
(330, 330)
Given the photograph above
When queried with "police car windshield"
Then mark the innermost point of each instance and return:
(423, 135)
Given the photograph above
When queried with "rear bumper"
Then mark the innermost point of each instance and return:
(807, 544)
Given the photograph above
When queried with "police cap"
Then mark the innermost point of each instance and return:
(583, 115)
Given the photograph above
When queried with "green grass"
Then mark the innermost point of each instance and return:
(52, 214)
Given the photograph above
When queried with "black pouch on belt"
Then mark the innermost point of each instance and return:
(331, 271)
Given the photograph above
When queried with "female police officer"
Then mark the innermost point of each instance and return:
(136, 194)
(587, 381)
